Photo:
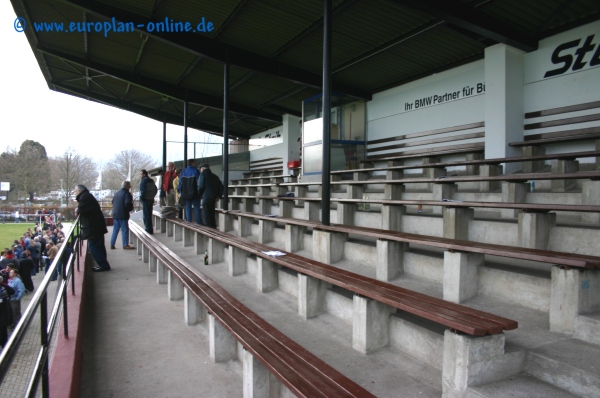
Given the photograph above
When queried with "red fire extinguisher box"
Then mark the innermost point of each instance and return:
(294, 164)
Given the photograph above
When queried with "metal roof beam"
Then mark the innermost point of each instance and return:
(468, 17)
(196, 43)
(160, 87)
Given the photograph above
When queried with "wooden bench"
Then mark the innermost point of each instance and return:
(264, 167)
(263, 179)
(303, 373)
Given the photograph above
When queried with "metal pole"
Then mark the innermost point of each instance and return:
(224, 200)
(164, 162)
(185, 137)
(44, 342)
(325, 182)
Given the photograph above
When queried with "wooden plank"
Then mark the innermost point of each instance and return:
(585, 134)
(564, 109)
(450, 149)
(563, 122)
(428, 133)
(428, 142)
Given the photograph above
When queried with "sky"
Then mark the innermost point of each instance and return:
(30, 110)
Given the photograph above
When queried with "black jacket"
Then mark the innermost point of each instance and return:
(122, 204)
(92, 219)
(209, 186)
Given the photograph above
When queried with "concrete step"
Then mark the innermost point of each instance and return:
(522, 386)
(568, 364)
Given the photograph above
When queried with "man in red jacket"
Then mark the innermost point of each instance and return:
(167, 186)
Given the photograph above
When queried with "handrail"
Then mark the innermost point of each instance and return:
(40, 301)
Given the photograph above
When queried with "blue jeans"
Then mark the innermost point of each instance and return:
(188, 210)
(147, 215)
(123, 226)
(98, 251)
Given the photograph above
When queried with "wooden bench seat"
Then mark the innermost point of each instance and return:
(299, 370)
(242, 181)
(450, 315)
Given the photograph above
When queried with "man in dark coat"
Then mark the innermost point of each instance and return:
(93, 226)
(210, 189)
(122, 206)
(147, 203)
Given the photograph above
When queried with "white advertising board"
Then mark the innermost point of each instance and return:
(4, 186)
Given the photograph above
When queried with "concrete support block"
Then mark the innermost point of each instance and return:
(161, 273)
(442, 191)
(266, 231)
(222, 344)
(345, 213)
(245, 226)
(265, 206)
(178, 233)
(170, 228)
(285, 208)
(355, 191)
(468, 361)
(225, 222)
(145, 254)
(370, 324)
(490, 170)
(300, 193)
(359, 176)
(461, 275)
(590, 195)
(390, 259)
(216, 250)
(535, 228)
(152, 263)
(294, 238)
(236, 204)
(598, 157)
(248, 205)
(188, 237)
(393, 191)
(194, 311)
(174, 288)
(456, 222)
(513, 192)
(139, 246)
(312, 211)
(201, 243)
(473, 170)
(328, 247)
(266, 275)
(394, 174)
(533, 150)
(573, 292)
(562, 167)
(391, 217)
(256, 377)
(311, 296)
(237, 261)
(434, 172)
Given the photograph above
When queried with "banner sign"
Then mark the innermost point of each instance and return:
(4, 186)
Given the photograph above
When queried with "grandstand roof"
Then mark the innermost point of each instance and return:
(274, 49)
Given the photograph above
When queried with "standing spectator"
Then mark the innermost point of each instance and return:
(15, 300)
(93, 226)
(17, 251)
(122, 205)
(210, 189)
(178, 201)
(52, 251)
(17, 219)
(167, 185)
(9, 260)
(25, 270)
(147, 193)
(188, 189)
(34, 249)
(5, 310)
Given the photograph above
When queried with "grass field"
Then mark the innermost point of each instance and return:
(12, 231)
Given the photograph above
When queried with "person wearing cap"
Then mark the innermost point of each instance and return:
(210, 188)
(187, 188)
(122, 205)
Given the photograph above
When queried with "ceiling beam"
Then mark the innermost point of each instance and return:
(201, 45)
(160, 87)
(461, 14)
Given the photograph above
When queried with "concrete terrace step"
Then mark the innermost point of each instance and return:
(522, 386)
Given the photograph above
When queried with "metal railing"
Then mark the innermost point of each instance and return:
(39, 302)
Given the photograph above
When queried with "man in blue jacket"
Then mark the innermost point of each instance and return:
(210, 188)
(188, 190)
(122, 205)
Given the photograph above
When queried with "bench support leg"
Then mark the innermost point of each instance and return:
(244, 226)
(300, 193)
(237, 261)
(311, 296)
(393, 191)
(473, 170)
(391, 217)
(174, 288)
(145, 254)
(489, 170)
(469, 361)
(222, 344)
(161, 273)
(248, 206)
(285, 208)
(394, 174)
(461, 280)
(255, 377)
(390, 259)
(170, 228)
(328, 247)
(266, 231)
(575, 292)
(533, 150)
(513, 192)
(265, 206)
(267, 278)
(201, 243)
(177, 233)
(312, 211)
(345, 213)
(225, 222)
(216, 251)
(590, 195)
(188, 237)
(152, 263)
(442, 191)
(194, 311)
(354, 191)
(370, 324)
(138, 246)
(535, 228)
(561, 167)
(236, 203)
(456, 222)
(294, 238)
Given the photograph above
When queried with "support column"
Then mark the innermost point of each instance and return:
(391, 217)
(255, 377)
(188, 237)
(301, 193)
(390, 259)
(294, 238)
(161, 273)
(237, 261)
(244, 226)
(311, 296)
(461, 280)
(175, 287)
(216, 250)
(194, 311)
(177, 233)
(590, 195)
(170, 228)
(442, 191)
(370, 324)
(533, 150)
(145, 254)
(354, 191)
(456, 222)
(152, 263)
(393, 191)
(163, 225)
(312, 210)
(225, 222)
(513, 192)
(490, 170)
(266, 231)
(473, 169)
(235, 205)
(285, 208)
(222, 344)
(267, 278)
(562, 167)
(345, 213)
(328, 247)
(201, 243)
(535, 229)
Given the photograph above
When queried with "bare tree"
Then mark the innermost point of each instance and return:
(126, 165)
(72, 168)
(26, 169)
